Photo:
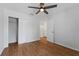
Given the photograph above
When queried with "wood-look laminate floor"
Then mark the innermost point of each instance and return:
(38, 48)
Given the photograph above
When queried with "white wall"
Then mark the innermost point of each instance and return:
(29, 30)
(67, 28)
(1, 32)
(28, 27)
(51, 30)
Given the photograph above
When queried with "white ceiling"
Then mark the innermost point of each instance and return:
(23, 7)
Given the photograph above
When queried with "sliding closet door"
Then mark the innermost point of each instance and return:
(13, 30)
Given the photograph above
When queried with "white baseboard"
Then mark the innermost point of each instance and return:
(67, 46)
(27, 42)
(1, 51)
(51, 41)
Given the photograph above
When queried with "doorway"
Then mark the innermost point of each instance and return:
(43, 31)
(13, 30)
(43, 28)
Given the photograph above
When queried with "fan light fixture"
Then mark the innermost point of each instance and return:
(41, 10)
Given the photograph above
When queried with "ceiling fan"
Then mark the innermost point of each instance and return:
(43, 8)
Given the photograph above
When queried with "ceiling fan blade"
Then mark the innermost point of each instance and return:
(37, 12)
(33, 7)
(51, 6)
(45, 12)
(41, 4)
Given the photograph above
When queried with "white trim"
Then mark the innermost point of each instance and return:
(51, 41)
(27, 41)
(1, 51)
(67, 46)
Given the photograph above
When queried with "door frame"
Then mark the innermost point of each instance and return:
(17, 28)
